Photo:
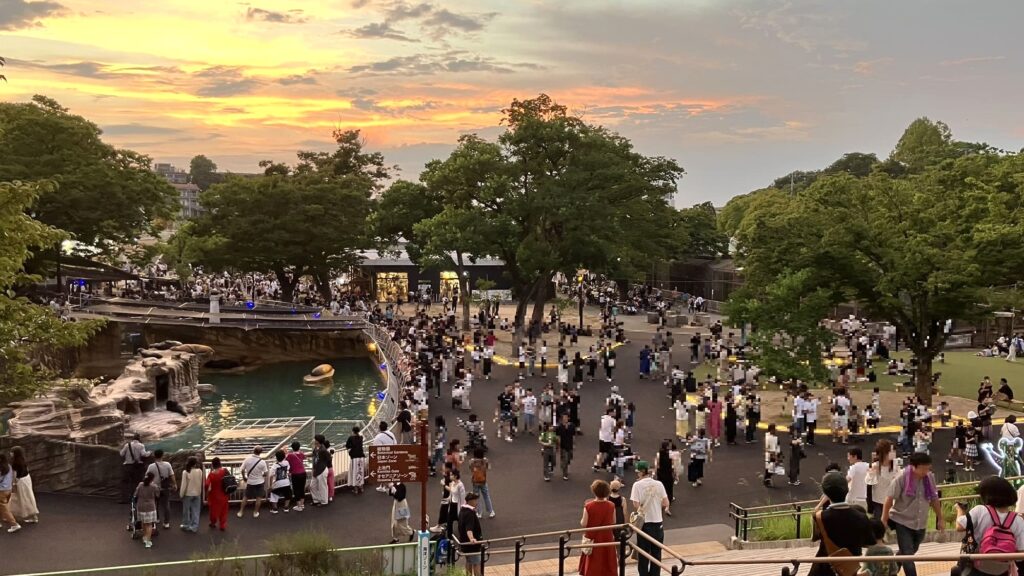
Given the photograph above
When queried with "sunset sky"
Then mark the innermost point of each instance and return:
(739, 92)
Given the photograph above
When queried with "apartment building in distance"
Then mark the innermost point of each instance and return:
(188, 193)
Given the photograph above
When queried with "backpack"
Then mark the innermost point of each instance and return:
(479, 468)
(998, 539)
(229, 484)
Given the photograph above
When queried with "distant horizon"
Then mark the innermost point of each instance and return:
(739, 92)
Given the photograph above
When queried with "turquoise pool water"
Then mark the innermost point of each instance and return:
(277, 391)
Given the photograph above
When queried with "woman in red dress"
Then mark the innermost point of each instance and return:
(216, 498)
(601, 561)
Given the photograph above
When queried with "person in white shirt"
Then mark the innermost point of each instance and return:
(810, 416)
(771, 454)
(254, 472)
(1009, 429)
(648, 497)
(605, 440)
(529, 407)
(856, 479)
(384, 438)
(683, 420)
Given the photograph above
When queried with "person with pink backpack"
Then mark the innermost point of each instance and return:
(994, 527)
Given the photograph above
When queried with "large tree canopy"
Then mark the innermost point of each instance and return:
(105, 197)
(27, 329)
(917, 240)
(310, 220)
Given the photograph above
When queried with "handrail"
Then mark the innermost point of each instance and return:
(656, 562)
(661, 545)
(834, 559)
(208, 560)
(543, 534)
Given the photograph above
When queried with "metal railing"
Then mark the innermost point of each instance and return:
(392, 559)
(751, 519)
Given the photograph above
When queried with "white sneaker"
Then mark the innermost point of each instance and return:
(255, 514)
(239, 514)
(491, 515)
(14, 529)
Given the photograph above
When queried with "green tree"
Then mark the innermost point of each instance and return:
(203, 172)
(106, 197)
(916, 242)
(305, 221)
(787, 335)
(26, 329)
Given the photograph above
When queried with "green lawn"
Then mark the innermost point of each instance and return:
(962, 372)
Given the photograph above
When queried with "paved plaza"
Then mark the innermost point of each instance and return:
(89, 532)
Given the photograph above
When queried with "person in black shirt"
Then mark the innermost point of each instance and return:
(1005, 390)
(846, 526)
(357, 469)
(471, 532)
(695, 348)
(506, 402)
(566, 432)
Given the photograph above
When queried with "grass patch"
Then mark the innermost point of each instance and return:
(784, 527)
(962, 372)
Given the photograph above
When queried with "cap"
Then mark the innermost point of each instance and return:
(833, 484)
(472, 496)
(642, 466)
(616, 485)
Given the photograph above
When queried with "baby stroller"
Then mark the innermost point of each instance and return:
(134, 527)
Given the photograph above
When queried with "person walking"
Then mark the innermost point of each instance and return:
(731, 417)
(839, 525)
(191, 493)
(772, 453)
(357, 460)
(146, 495)
(133, 467)
(880, 475)
(470, 533)
(400, 514)
(254, 472)
(164, 474)
(216, 497)
(648, 497)
(479, 466)
(714, 424)
(621, 506)
(566, 432)
(6, 492)
(548, 444)
(598, 512)
(297, 469)
(665, 473)
(23, 501)
(700, 448)
(906, 507)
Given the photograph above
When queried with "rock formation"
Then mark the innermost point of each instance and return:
(136, 401)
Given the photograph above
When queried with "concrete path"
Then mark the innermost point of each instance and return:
(82, 532)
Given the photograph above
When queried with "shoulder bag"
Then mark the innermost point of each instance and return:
(636, 518)
(840, 568)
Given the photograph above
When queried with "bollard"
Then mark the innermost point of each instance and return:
(798, 522)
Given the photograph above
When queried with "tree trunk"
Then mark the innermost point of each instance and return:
(524, 294)
(923, 376)
(323, 285)
(464, 291)
(539, 300)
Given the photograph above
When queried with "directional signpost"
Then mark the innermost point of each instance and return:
(397, 463)
(407, 463)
